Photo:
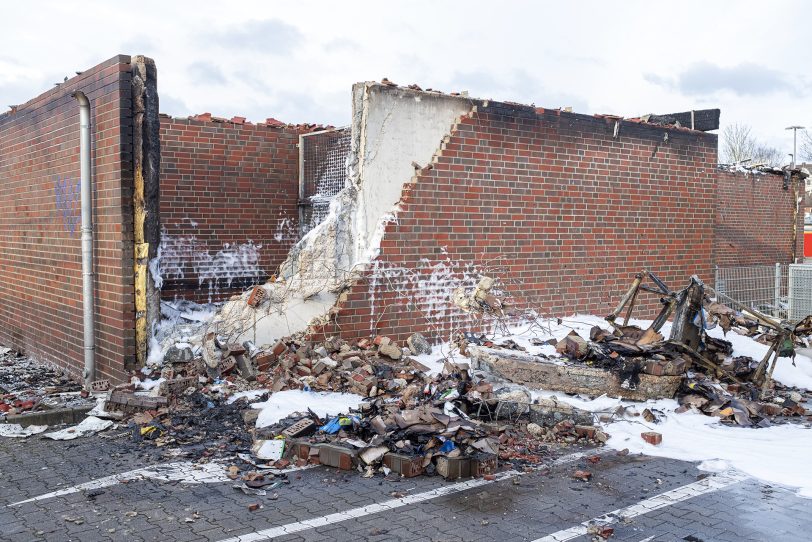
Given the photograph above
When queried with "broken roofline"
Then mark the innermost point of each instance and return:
(710, 117)
(270, 122)
(705, 119)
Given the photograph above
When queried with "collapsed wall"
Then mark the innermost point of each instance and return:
(753, 220)
(40, 251)
(228, 211)
(442, 190)
(391, 130)
(562, 208)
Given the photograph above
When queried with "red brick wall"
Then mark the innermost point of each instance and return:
(753, 221)
(229, 195)
(40, 253)
(550, 203)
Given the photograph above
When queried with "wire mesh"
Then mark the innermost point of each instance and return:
(323, 174)
(761, 287)
(799, 291)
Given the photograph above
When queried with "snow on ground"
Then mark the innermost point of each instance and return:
(181, 324)
(283, 403)
(149, 384)
(777, 454)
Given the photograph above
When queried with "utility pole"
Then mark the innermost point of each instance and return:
(794, 142)
(795, 196)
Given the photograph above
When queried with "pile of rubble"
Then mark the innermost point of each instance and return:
(468, 416)
(631, 362)
(462, 418)
(455, 423)
(26, 387)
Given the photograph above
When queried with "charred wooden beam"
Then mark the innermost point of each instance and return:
(703, 120)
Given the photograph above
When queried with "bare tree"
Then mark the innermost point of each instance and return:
(805, 151)
(739, 145)
(770, 156)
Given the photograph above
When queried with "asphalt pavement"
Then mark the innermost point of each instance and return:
(106, 489)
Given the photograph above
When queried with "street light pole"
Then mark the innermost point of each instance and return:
(794, 141)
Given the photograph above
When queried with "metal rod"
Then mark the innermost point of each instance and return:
(631, 306)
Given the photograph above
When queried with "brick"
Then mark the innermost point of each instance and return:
(665, 367)
(264, 361)
(301, 427)
(299, 449)
(452, 468)
(484, 464)
(177, 386)
(332, 455)
(652, 437)
(405, 465)
(257, 296)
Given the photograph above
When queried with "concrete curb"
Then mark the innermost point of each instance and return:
(57, 416)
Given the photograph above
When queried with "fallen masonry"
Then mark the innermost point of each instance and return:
(639, 364)
(455, 423)
(407, 412)
(544, 374)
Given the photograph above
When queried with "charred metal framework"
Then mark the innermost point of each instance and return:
(688, 327)
(322, 173)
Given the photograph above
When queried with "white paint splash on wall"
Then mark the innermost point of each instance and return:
(286, 231)
(428, 289)
(179, 256)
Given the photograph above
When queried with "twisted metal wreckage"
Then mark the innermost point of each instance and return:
(641, 364)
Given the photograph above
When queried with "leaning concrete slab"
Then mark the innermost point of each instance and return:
(545, 374)
(392, 129)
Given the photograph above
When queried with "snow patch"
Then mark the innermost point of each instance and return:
(777, 454)
(88, 426)
(283, 403)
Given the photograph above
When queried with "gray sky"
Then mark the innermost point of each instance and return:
(296, 61)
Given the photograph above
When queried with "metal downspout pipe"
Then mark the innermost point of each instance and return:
(88, 301)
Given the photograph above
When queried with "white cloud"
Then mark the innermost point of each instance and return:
(297, 61)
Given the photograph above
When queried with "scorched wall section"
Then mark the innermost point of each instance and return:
(40, 252)
(551, 203)
(753, 222)
(229, 193)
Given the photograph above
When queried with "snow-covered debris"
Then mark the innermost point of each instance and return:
(284, 403)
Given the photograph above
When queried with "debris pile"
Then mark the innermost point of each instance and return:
(455, 423)
(26, 387)
(635, 363)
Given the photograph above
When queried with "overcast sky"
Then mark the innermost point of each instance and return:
(296, 61)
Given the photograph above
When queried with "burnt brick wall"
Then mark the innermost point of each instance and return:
(753, 221)
(229, 215)
(40, 249)
(550, 203)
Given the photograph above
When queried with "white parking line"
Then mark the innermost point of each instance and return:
(695, 489)
(205, 473)
(184, 472)
(374, 508)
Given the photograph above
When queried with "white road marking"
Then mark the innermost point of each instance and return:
(185, 472)
(205, 473)
(695, 489)
(374, 508)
